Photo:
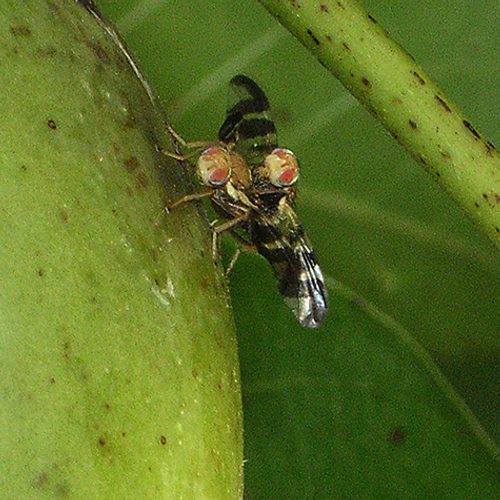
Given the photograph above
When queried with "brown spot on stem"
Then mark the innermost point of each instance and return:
(366, 82)
(132, 163)
(66, 349)
(413, 124)
(490, 148)
(100, 53)
(63, 215)
(419, 78)
(492, 198)
(20, 30)
(323, 8)
(471, 129)
(442, 103)
(313, 37)
(51, 124)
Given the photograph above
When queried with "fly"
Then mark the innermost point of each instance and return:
(252, 185)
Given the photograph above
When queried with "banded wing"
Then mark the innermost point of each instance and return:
(287, 249)
(247, 126)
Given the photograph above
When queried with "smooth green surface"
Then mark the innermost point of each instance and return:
(119, 376)
(353, 410)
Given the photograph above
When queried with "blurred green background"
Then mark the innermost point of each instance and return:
(369, 405)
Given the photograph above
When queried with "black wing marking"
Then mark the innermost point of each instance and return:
(311, 301)
(300, 280)
(247, 125)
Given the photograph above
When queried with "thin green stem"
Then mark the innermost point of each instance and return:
(390, 84)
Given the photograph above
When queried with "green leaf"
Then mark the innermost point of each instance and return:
(359, 411)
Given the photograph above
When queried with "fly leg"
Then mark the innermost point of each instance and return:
(194, 147)
(229, 225)
(187, 198)
(245, 247)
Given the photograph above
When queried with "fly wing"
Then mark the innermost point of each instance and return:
(311, 302)
(247, 126)
(300, 280)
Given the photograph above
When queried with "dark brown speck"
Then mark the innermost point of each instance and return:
(397, 435)
(471, 129)
(63, 215)
(419, 78)
(20, 31)
(132, 163)
(442, 102)
(312, 35)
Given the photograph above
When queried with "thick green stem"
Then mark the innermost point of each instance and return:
(118, 364)
(390, 84)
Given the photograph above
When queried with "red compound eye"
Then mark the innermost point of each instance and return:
(282, 167)
(288, 176)
(219, 176)
(214, 166)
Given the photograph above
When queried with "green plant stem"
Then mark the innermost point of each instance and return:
(118, 363)
(391, 85)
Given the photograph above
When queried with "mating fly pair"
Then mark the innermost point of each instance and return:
(252, 185)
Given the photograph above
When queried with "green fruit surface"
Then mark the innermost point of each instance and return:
(119, 374)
